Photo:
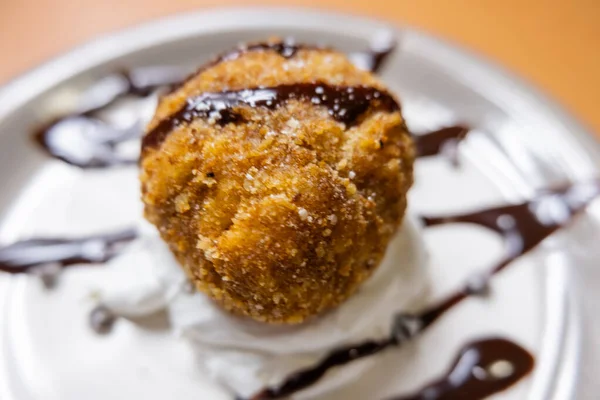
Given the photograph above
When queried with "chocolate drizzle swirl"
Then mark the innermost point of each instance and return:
(482, 368)
(378, 53)
(444, 140)
(83, 139)
(345, 104)
(28, 255)
(523, 226)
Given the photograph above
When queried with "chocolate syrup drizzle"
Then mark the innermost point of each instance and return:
(477, 372)
(28, 255)
(83, 139)
(523, 226)
(345, 104)
(376, 56)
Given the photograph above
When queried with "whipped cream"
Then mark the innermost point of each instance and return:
(243, 355)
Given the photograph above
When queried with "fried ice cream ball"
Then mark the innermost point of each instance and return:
(277, 210)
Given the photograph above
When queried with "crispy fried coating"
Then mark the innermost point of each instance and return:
(283, 215)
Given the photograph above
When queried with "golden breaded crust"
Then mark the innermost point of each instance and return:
(283, 216)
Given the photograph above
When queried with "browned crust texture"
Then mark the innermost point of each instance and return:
(283, 215)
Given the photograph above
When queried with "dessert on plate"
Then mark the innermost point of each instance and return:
(277, 175)
(275, 183)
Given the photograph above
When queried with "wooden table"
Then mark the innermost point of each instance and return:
(553, 43)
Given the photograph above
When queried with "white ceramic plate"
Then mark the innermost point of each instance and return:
(47, 350)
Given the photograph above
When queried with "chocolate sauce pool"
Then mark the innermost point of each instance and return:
(484, 367)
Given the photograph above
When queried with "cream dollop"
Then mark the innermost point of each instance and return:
(243, 355)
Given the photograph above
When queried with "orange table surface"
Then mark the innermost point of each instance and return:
(554, 44)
